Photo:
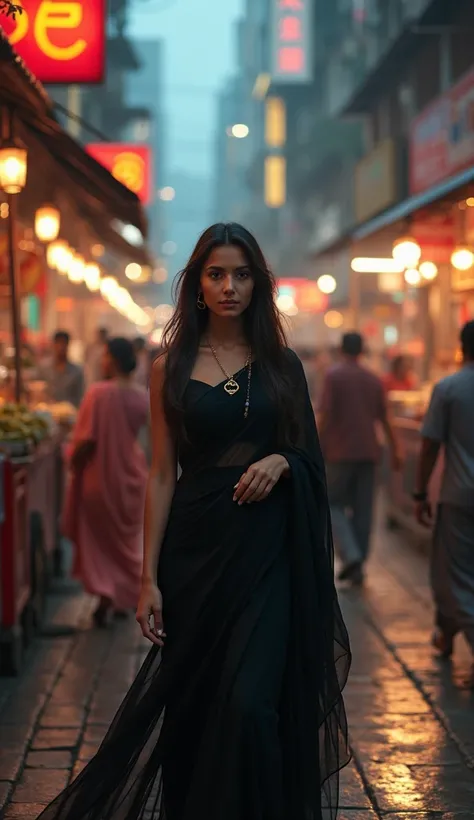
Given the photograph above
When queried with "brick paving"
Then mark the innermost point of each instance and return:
(411, 717)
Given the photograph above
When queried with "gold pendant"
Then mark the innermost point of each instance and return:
(231, 387)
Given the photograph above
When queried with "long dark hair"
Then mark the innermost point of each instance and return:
(262, 325)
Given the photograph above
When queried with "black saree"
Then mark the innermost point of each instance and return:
(241, 717)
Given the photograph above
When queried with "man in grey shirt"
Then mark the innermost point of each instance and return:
(65, 380)
(449, 423)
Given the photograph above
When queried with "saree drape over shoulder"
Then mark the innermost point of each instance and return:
(241, 716)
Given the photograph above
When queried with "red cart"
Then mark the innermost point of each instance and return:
(30, 549)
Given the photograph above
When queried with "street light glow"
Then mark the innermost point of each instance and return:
(327, 284)
(240, 131)
(167, 194)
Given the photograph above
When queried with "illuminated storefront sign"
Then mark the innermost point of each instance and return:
(305, 294)
(60, 42)
(291, 41)
(442, 137)
(130, 164)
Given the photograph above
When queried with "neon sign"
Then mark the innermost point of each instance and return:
(61, 41)
(291, 41)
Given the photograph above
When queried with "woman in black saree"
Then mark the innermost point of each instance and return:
(237, 712)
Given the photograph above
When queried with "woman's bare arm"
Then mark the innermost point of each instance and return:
(161, 479)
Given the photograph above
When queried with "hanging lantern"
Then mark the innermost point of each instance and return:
(47, 223)
(92, 276)
(76, 269)
(13, 166)
(407, 251)
(462, 258)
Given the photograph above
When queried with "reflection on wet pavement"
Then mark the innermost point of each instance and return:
(411, 716)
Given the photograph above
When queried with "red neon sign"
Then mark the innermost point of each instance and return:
(61, 41)
(130, 164)
(292, 41)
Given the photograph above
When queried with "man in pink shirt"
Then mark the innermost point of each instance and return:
(353, 402)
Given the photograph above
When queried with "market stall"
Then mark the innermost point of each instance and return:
(58, 205)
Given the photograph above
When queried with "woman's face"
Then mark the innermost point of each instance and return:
(226, 281)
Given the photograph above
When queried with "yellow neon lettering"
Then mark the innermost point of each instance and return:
(59, 15)
(21, 26)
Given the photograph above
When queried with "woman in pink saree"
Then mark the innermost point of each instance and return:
(103, 514)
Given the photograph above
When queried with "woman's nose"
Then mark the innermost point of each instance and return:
(229, 284)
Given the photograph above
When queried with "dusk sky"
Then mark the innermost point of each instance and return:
(199, 55)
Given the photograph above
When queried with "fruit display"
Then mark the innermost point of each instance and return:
(18, 424)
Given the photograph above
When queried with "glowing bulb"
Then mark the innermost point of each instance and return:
(327, 284)
(407, 251)
(462, 258)
(108, 286)
(333, 319)
(412, 277)
(76, 269)
(59, 256)
(428, 270)
(240, 131)
(92, 276)
(133, 271)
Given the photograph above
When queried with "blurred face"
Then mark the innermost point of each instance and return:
(226, 282)
(60, 348)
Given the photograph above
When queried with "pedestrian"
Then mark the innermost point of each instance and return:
(241, 717)
(142, 373)
(449, 424)
(353, 402)
(64, 379)
(94, 357)
(400, 375)
(103, 514)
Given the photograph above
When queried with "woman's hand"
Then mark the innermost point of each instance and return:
(150, 606)
(259, 480)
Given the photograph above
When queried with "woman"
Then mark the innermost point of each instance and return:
(103, 515)
(400, 376)
(237, 712)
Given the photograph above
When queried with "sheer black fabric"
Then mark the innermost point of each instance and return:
(241, 717)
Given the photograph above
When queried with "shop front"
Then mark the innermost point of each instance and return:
(57, 207)
(425, 244)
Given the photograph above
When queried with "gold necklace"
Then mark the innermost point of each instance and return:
(232, 386)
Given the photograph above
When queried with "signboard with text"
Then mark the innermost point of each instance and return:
(291, 53)
(442, 137)
(130, 164)
(61, 41)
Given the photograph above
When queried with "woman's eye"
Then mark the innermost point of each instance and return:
(243, 274)
(214, 274)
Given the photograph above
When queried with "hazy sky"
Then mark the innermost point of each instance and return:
(199, 54)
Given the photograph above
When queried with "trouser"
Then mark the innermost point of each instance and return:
(351, 487)
(452, 570)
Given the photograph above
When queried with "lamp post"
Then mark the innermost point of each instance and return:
(13, 168)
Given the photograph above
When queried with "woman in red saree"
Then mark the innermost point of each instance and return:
(103, 514)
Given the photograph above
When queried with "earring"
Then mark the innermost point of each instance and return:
(200, 302)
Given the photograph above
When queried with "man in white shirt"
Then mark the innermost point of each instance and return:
(449, 423)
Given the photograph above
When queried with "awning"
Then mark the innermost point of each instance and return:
(449, 189)
(94, 185)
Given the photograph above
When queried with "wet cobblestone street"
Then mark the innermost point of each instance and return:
(411, 716)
